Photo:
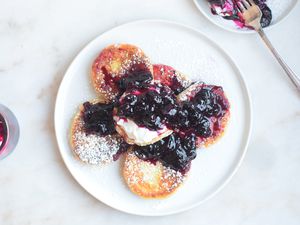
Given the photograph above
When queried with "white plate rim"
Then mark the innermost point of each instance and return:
(247, 97)
(241, 31)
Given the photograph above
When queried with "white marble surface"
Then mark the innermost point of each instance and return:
(38, 40)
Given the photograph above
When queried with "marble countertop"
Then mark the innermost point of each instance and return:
(38, 40)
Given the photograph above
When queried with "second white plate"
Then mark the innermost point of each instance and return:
(188, 51)
(280, 10)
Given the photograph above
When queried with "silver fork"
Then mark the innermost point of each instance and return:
(252, 15)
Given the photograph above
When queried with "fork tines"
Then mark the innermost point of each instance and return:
(244, 5)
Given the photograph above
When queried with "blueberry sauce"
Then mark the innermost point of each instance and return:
(266, 14)
(122, 149)
(147, 106)
(204, 111)
(176, 85)
(157, 107)
(166, 75)
(134, 81)
(3, 132)
(98, 118)
(173, 151)
(137, 76)
(232, 13)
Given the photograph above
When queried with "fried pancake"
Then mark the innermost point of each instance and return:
(170, 77)
(113, 63)
(148, 179)
(92, 148)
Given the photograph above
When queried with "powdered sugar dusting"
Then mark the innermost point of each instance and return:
(149, 171)
(94, 149)
(139, 173)
(190, 91)
(201, 66)
(163, 73)
(137, 58)
(205, 68)
(172, 175)
(185, 81)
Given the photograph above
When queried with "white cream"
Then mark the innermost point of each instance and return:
(140, 135)
(221, 11)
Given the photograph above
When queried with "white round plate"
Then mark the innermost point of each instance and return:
(280, 9)
(188, 51)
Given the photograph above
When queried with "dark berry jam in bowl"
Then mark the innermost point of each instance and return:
(9, 131)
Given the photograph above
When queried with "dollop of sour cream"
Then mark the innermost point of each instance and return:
(226, 10)
(140, 135)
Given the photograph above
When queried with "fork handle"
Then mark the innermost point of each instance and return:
(294, 78)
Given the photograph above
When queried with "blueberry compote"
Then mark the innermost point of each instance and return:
(148, 106)
(230, 7)
(167, 75)
(203, 112)
(137, 76)
(176, 85)
(98, 118)
(173, 151)
(122, 149)
(155, 107)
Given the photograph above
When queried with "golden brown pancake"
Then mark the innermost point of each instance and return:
(150, 180)
(170, 77)
(92, 148)
(114, 62)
